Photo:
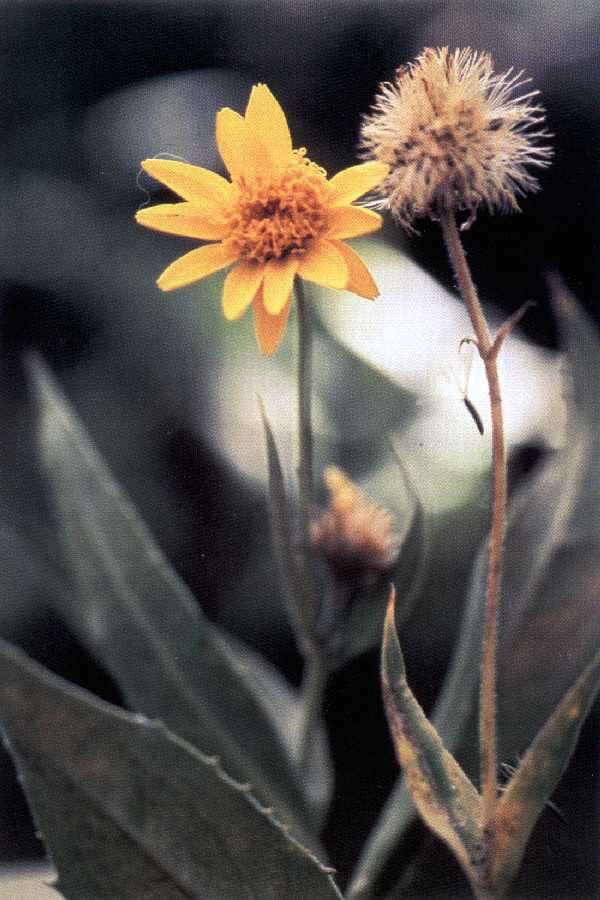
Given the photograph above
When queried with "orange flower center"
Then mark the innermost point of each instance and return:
(279, 213)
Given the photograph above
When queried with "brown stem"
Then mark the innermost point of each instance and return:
(487, 709)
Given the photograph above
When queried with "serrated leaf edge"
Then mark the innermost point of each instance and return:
(37, 671)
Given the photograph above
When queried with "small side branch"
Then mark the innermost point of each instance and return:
(510, 324)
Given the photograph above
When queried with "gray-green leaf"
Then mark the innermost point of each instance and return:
(138, 617)
(129, 810)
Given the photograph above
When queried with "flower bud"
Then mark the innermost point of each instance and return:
(355, 535)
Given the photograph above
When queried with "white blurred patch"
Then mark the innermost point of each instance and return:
(413, 333)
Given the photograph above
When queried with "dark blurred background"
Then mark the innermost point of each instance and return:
(88, 90)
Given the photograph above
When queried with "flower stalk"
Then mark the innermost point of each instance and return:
(305, 466)
(305, 471)
(488, 351)
(315, 663)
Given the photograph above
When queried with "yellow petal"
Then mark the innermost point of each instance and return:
(240, 288)
(269, 329)
(325, 265)
(351, 221)
(191, 182)
(239, 147)
(195, 265)
(352, 183)
(267, 120)
(361, 281)
(186, 219)
(279, 278)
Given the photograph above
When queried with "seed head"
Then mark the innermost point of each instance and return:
(455, 137)
(355, 535)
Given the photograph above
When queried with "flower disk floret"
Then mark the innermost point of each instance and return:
(278, 218)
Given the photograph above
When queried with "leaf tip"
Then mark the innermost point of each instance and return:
(389, 625)
(261, 407)
(390, 614)
(392, 661)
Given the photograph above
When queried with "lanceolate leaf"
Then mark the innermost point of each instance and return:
(449, 718)
(296, 584)
(128, 810)
(137, 616)
(444, 796)
(534, 782)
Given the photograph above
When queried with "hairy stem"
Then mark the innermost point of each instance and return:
(488, 354)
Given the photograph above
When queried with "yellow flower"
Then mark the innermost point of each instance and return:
(278, 218)
(455, 137)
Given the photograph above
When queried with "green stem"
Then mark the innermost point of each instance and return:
(305, 461)
(305, 470)
(488, 353)
(315, 668)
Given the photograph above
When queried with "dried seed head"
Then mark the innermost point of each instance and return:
(454, 137)
(355, 535)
